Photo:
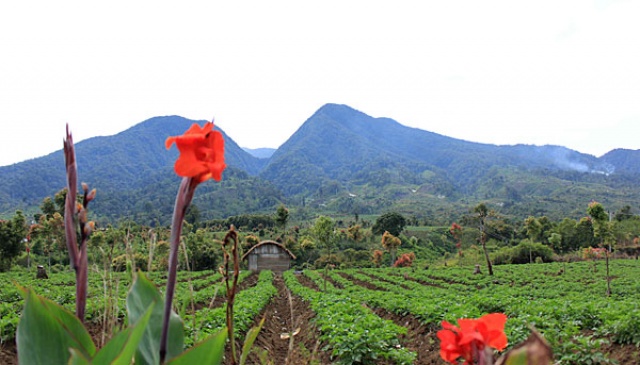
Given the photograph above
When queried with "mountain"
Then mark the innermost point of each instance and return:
(260, 152)
(346, 160)
(339, 160)
(355, 139)
(623, 160)
(123, 168)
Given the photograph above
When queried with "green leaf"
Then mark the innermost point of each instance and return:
(209, 351)
(252, 334)
(122, 347)
(46, 333)
(77, 358)
(143, 293)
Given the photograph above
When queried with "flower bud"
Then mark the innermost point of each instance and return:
(91, 195)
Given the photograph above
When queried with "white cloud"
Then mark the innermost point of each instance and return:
(497, 72)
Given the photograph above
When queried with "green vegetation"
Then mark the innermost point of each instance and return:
(374, 166)
(450, 208)
(565, 302)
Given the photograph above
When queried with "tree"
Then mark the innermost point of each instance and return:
(603, 231)
(624, 214)
(405, 260)
(568, 231)
(203, 255)
(12, 236)
(584, 232)
(193, 215)
(482, 212)
(391, 222)
(391, 244)
(354, 233)
(323, 230)
(601, 227)
(250, 241)
(545, 228)
(59, 199)
(534, 229)
(282, 217)
(555, 239)
(376, 257)
(48, 207)
(456, 232)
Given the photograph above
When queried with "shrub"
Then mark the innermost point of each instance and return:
(120, 262)
(523, 253)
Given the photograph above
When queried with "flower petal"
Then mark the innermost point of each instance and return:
(201, 153)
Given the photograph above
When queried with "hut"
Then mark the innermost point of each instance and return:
(268, 255)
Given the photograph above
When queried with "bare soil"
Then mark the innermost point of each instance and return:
(419, 338)
(286, 313)
(330, 280)
(403, 286)
(8, 353)
(219, 300)
(364, 284)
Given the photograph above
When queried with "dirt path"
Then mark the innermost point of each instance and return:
(284, 314)
(219, 300)
(419, 338)
(364, 284)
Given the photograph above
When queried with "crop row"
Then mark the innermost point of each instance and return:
(564, 308)
(105, 290)
(354, 333)
(248, 305)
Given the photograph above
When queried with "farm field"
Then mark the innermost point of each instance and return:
(376, 316)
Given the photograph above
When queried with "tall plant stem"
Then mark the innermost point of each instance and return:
(608, 276)
(74, 214)
(183, 199)
(231, 287)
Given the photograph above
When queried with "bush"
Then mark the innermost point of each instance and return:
(523, 253)
(120, 262)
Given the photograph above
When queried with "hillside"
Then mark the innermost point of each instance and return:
(125, 168)
(624, 161)
(260, 152)
(350, 162)
(339, 160)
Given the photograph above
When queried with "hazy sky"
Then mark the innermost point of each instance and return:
(537, 72)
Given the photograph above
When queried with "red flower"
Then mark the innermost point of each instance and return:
(470, 339)
(201, 153)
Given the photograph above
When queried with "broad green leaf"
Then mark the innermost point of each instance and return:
(121, 349)
(142, 294)
(77, 358)
(46, 333)
(209, 351)
(252, 334)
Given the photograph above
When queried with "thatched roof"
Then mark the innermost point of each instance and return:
(269, 242)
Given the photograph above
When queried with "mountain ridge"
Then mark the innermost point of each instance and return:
(339, 159)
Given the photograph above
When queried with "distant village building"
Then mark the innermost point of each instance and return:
(268, 255)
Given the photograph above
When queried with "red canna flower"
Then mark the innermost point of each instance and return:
(471, 337)
(201, 158)
(201, 153)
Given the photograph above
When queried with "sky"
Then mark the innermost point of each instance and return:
(502, 72)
